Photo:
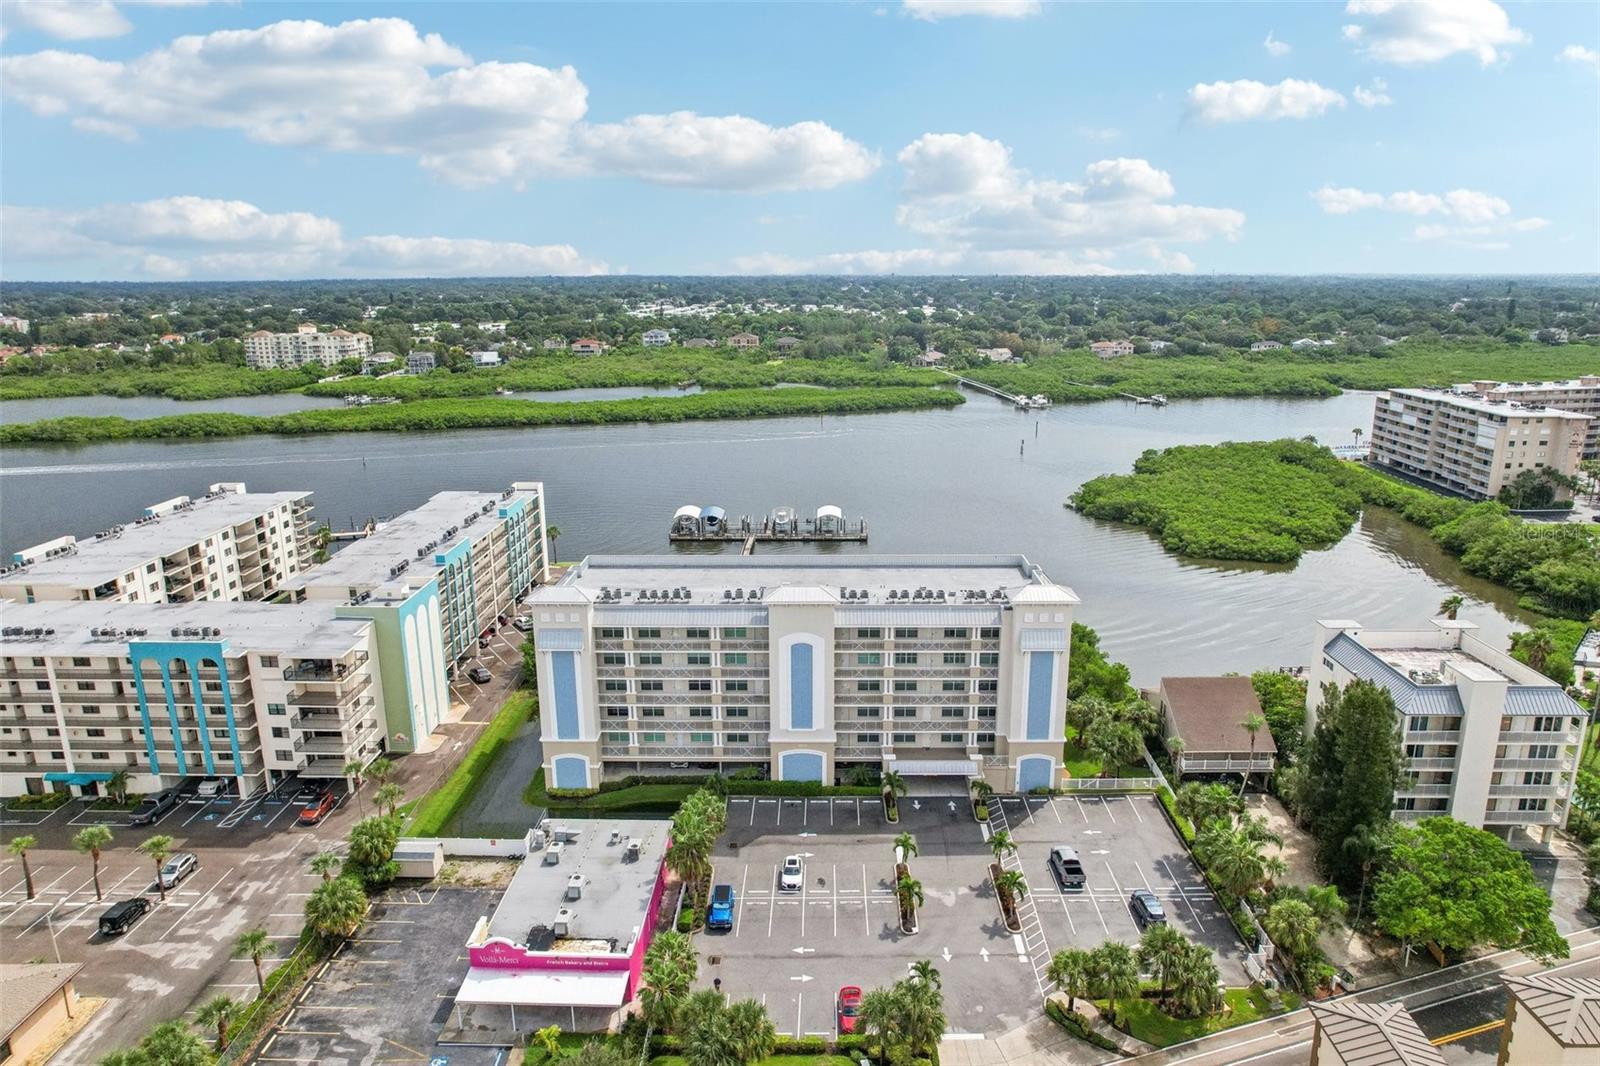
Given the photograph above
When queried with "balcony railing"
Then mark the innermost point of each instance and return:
(1522, 817)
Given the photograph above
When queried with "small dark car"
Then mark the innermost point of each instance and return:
(1146, 908)
(480, 674)
(119, 917)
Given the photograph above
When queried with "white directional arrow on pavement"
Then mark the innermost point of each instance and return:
(808, 834)
(946, 953)
(985, 953)
(803, 951)
(1091, 832)
(1100, 852)
(952, 805)
(916, 805)
(808, 854)
(802, 977)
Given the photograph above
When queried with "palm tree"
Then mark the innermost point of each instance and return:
(352, 773)
(117, 786)
(552, 534)
(159, 848)
(1115, 974)
(1450, 605)
(1236, 860)
(1325, 902)
(1194, 981)
(1292, 924)
(380, 770)
(90, 841)
(219, 1012)
(1202, 804)
(880, 1014)
(336, 907)
(922, 1018)
(893, 786)
(905, 846)
(910, 892)
(754, 1036)
(923, 970)
(1252, 725)
(1370, 844)
(1160, 948)
(549, 1038)
(982, 791)
(389, 795)
(669, 971)
(255, 945)
(1070, 969)
(1535, 646)
(19, 846)
(1000, 843)
(327, 864)
(172, 1044)
(1012, 883)
(1175, 750)
(1357, 433)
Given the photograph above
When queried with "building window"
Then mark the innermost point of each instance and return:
(1532, 804)
(647, 634)
(955, 658)
(902, 633)
(869, 686)
(736, 633)
(735, 658)
(616, 712)
(869, 712)
(94, 732)
(697, 634)
(647, 659)
(904, 738)
(283, 756)
(986, 712)
(652, 712)
(989, 633)
(905, 658)
(871, 658)
(269, 661)
(610, 633)
(697, 658)
(1541, 751)
(276, 708)
(79, 661)
(652, 738)
(736, 712)
(952, 712)
(984, 738)
(735, 686)
(612, 658)
(952, 738)
(988, 658)
(615, 738)
(905, 712)
(736, 738)
(869, 738)
(280, 733)
(988, 686)
(700, 738)
(955, 686)
(614, 686)
(1405, 803)
(652, 686)
(99, 755)
(1538, 777)
(905, 686)
(89, 708)
(957, 634)
(699, 712)
(1547, 724)
(869, 634)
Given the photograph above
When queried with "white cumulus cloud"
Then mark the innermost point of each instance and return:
(196, 237)
(1461, 213)
(1577, 53)
(1246, 100)
(380, 86)
(1276, 48)
(934, 10)
(67, 20)
(1374, 94)
(1411, 32)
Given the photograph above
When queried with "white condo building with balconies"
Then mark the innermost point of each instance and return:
(804, 665)
(266, 350)
(1487, 740)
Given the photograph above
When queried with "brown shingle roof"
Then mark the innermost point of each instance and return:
(1374, 1034)
(1567, 1006)
(1209, 713)
(24, 988)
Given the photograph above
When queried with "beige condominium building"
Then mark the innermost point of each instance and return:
(227, 545)
(1486, 740)
(1472, 445)
(266, 350)
(950, 666)
(1551, 1020)
(246, 692)
(1580, 395)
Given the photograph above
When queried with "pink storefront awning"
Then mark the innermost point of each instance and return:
(543, 988)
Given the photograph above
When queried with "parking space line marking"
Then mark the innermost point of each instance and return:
(1184, 894)
(196, 904)
(743, 880)
(752, 814)
(834, 870)
(866, 917)
(1054, 811)
(51, 910)
(800, 997)
(772, 909)
(830, 813)
(803, 902)
(1105, 805)
(780, 812)
(858, 812)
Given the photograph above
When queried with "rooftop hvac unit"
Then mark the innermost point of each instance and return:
(562, 926)
(575, 887)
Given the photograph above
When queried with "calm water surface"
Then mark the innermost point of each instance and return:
(981, 478)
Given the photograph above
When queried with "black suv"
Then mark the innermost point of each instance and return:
(119, 917)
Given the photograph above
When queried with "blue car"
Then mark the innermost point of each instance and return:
(720, 916)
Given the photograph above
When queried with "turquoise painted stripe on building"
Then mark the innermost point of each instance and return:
(193, 655)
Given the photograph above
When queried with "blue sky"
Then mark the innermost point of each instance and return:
(151, 140)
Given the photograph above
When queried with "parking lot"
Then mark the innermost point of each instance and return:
(389, 990)
(794, 950)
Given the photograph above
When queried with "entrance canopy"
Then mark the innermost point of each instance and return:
(64, 777)
(543, 988)
(934, 767)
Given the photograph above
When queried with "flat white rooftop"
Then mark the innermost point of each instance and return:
(878, 579)
(295, 630)
(367, 562)
(100, 559)
(1426, 661)
(615, 895)
(1473, 402)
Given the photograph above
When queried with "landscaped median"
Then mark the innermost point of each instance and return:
(661, 794)
(439, 808)
(485, 413)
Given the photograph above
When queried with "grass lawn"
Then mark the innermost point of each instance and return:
(1144, 1021)
(643, 798)
(1591, 753)
(439, 808)
(776, 1060)
(1079, 763)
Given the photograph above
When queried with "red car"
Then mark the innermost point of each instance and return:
(318, 809)
(849, 1008)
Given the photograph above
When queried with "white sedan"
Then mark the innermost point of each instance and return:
(791, 875)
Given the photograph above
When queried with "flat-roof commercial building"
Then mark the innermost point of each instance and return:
(227, 545)
(927, 665)
(572, 927)
(1551, 1020)
(1486, 739)
(250, 692)
(483, 551)
(1467, 444)
(266, 350)
(1580, 395)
